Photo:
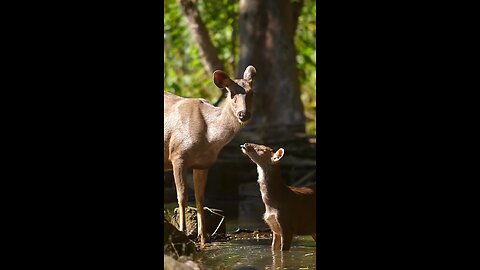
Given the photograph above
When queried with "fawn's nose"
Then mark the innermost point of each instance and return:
(243, 116)
(245, 146)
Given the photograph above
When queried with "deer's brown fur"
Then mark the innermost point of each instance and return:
(195, 132)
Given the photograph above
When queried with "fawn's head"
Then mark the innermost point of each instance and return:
(240, 92)
(262, 155)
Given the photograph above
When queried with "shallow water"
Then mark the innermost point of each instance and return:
(245, 250)
(258, 254)
(248, 251)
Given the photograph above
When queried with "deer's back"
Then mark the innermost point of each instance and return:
(185, 131)
(184, 114)
(169, 102)
(305, 205)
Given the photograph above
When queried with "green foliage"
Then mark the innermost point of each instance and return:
(184, 73)
(305, 42)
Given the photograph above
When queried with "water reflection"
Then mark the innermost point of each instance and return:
(277, 262)
(258, 254)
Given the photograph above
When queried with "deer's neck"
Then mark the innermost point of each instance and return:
(222, 125)
(271, 185)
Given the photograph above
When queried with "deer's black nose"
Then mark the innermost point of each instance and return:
(244, 116)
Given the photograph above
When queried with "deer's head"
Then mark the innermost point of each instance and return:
(262, 155)
(240, 92)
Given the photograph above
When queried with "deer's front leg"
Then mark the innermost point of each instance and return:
(199, 182)
(180, 176)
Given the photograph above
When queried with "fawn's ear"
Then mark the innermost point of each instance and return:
(278, 155)
(221, 79)
(249, 74)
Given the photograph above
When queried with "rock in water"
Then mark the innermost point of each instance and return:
(175, 242)
(213, 218)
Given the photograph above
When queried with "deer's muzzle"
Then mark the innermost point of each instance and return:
(243, 116)
(245, 147)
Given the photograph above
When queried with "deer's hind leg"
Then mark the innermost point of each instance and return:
(199, 182)
(287, 237)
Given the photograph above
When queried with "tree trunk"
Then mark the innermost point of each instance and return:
(208, 53)
(266, 29)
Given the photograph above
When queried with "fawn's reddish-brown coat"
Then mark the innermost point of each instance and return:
(288, 210)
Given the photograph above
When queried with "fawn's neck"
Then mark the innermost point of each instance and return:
(271, 184)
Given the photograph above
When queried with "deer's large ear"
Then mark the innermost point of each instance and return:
(249, 74)
(221, 79)
(278, 155)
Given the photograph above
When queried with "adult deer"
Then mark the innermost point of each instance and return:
(195, 132)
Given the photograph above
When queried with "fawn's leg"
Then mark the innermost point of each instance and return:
(276, 231)
(277, 239)
(199, 182)
(287, 237)
(277, 262)
(180, 176)
(314, 237)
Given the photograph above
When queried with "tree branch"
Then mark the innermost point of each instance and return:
(201, 37)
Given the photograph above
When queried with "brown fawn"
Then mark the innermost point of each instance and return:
(195, 132)
(288, 210)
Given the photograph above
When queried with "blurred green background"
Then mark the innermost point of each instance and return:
(185, 75)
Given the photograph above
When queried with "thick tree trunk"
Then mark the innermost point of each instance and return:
(266, 29)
